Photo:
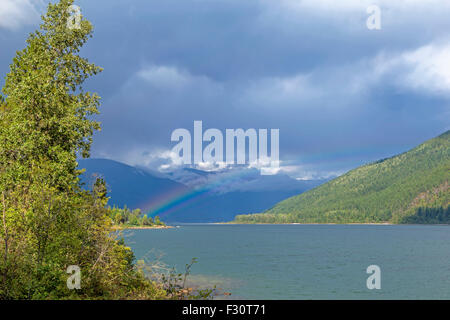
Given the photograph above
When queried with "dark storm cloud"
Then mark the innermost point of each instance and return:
(340, 94)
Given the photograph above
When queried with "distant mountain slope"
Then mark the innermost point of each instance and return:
(127, 185)
(408, 188)
(224, 207)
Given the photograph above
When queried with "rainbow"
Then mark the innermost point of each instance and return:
(182, 197)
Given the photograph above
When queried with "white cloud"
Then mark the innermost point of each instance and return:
(15, 13)
(424, 69)
(303, 172)
(324, 4)
(170, 77)
(211, 166)
(164, 76)
(429, 68)
(352, 5)
(349, 16)
(295, 91)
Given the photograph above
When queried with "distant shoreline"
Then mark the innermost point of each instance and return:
(141, 227)
(280, 224)
(342, 224)
(312, 224)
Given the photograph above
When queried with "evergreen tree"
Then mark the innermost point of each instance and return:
(48, 221)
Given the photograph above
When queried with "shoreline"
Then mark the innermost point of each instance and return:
(342, 224)
(314, 224)
(140, 227)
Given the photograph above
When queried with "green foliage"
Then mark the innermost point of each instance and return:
(389, 190)
(175, 283)
(47, 221)
(437, 215)
(135, 218)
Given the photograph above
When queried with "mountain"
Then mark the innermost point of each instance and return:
(239, 179)
(219, 196)
(412, 187)
(196, 196)
(223, 207)
(127, 185)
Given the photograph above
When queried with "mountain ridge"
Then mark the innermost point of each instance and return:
(381, 191)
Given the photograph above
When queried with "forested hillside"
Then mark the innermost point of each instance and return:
(408, 188)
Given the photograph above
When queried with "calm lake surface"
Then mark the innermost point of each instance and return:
(306, 261)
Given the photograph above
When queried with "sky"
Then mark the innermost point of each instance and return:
(340, 94)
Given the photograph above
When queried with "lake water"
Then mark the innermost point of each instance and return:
(307, 261)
